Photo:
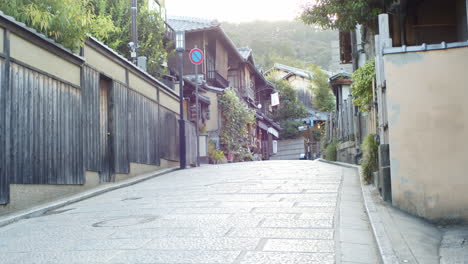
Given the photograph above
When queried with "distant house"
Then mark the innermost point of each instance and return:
(301, 81)
(225, 66)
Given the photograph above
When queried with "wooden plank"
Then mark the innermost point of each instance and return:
(4, 179)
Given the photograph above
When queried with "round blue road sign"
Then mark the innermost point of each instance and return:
(196, 56)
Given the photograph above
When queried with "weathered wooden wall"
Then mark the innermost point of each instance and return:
(4, 180)
(52, 131)
(44, 144)
(143, 129)
(120, 128)
(90, 115)
(170, 133)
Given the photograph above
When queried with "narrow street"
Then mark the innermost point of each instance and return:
(257, 212)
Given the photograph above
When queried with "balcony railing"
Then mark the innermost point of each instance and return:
(215, 77)
(169, 34)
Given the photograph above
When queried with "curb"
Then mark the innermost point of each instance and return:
(384, 245)
(42, 209)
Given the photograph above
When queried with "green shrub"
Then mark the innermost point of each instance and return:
(330, 151)
(290, 129)
(216, 155)
(369, 157)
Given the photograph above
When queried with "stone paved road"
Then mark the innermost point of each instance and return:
(265, 212)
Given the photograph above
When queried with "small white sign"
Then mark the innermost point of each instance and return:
(275, 101)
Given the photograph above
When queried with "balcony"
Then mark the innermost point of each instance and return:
(217, 79)
(169, 34)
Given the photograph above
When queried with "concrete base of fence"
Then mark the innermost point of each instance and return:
(62, 195)
(346, 152)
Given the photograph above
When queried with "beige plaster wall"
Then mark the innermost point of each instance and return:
(104, 64)
(42, 59)
(428, 128)
(299, 83)
(212, 124)
(143, 87)
(1, 38)
(169, 102)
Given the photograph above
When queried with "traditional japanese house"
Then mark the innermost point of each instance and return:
(224, 66)
(421, 54)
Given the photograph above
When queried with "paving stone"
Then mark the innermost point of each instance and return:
(59, 257)
(283, 233)
(298, 223)
(300, 245)
(225, 243)
(287, 258)
(213, 214)
(176, 256)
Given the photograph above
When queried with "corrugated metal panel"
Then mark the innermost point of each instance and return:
(44, 128)
(4, 179)
(120, 127)
(143, 129)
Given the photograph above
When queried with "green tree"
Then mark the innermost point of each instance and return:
(289, 110)
(151, 29)
(288, 42)
(70, 21)
(66, 21)
(290, 107)
(236, 119)
(323, 99)
(361, 89)
(343, 15)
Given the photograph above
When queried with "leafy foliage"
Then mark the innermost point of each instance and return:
(151, 30)
(331, 152)
(66, 21)
(216, 155)
(362, 86)
(236, 119)
(369, 157)
(323, 99)
(290, 129)
(70, 21)
(290, 106)
(288, 42)
(343, 15)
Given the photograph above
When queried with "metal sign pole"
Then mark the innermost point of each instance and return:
(196, 57)
(198, 114)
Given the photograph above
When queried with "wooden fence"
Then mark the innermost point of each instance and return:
(52, 131)
(349, 124)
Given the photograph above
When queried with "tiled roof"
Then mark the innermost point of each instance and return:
(191, 23)
(245, 52)
(296, 71)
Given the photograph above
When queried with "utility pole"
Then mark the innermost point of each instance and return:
(180, 47)
(133, 45)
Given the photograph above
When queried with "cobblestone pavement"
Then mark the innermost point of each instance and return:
(259, 212)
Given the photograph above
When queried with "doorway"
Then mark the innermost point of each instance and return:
(106, 174)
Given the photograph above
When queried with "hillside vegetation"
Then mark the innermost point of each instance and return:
(287, 42)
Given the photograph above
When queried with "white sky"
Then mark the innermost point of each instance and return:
(236, 10)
